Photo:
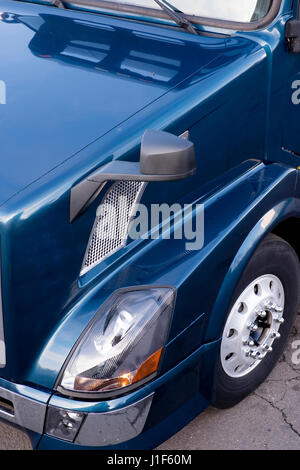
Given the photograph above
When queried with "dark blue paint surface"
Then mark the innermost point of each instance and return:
(81, 90)
(72, 79)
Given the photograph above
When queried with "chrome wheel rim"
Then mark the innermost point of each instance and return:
(252, 326)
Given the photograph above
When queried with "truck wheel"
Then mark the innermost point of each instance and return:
(260, 318)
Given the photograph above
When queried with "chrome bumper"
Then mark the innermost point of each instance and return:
(115, 427)
(26, 410)
(27, 407)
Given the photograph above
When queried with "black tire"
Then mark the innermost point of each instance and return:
(273, 256)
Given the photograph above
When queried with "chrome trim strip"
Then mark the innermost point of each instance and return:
(28, 413)
(115, 427)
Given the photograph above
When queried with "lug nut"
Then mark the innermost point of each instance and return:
(276, 335)
(252, 327)
(250, 353)
(261, 313)
(271, 306)
(255, 355)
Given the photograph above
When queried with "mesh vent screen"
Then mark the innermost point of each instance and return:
(110, 229)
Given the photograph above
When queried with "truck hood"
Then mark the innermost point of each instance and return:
(87, 86)
(68, 78)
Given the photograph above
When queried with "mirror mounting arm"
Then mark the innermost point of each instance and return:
(164, 157)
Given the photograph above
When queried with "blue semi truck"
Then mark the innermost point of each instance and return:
(115, 333)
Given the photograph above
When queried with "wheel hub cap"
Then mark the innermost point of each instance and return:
(252, 326)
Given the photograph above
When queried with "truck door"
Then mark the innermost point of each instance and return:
(291, 134)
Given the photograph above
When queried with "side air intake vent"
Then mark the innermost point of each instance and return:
(110, 230)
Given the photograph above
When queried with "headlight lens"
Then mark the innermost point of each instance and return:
(123, 344)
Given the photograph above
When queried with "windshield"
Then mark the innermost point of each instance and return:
(230, 10)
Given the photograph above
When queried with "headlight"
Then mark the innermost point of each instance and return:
(123, 344)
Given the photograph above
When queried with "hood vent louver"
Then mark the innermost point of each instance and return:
(110, 230)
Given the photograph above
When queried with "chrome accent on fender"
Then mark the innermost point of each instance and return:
(114, 427)
(27, 413)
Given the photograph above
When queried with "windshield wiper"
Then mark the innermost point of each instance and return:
(58, 4)
(177, 16)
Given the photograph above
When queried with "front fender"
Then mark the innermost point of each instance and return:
(239, 210)
(287, 208)
(237, 217)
